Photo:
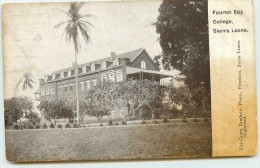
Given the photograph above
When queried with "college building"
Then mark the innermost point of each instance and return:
(136, 65)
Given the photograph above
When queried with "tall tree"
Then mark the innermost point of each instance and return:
(27, 81)
(73, 26)
(182, 26)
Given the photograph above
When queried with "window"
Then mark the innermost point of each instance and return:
(111, 76)
(53, 76)
(69, 73)
(116, 62)
(82, 86)
(104, 65)
(62, 74)
(103, 77)
(46, 77)
(47, 89)
(143, 65)
(52, 89)
(42, 90)
(94, 82)
(84, 69)
(65, 88)
(119, 76)
(60, 89)
(71, 87)
(93, 67)
(88, 84)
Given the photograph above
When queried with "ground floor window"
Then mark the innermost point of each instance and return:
(119, 76)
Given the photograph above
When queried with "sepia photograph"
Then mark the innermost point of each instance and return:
(106, 80)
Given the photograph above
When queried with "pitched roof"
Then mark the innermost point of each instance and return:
(131, 55)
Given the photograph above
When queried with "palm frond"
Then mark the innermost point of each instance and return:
(63, 11)
(30, 85)
(60, 24)
(84, 33)
(24, 87)
(88, 15)
(83, 21)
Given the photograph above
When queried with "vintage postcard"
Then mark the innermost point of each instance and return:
(121, 80)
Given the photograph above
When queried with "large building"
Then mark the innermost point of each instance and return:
(136, 65)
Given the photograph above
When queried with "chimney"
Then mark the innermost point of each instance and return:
(112, 54)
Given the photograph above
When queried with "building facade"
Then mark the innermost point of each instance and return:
(61, 84)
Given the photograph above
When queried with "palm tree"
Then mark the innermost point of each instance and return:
(74, 25)
(27, 81)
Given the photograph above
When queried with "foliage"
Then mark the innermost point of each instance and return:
(108, 96)
(28, 80)
(17, 107)
(182, 26)
(110, 122)
(155, 122)
(143, 122)
(75, 125)
(116, 123)
(75, 23)
(165, 120)
(124, 123)
(16, 126)
(52, 125)
(156, 61)
(30, 127)
(59, 126)
(194, 102)
(37, 126)
(67, 125)
(100, 124)
(44, 126)
(55, 109)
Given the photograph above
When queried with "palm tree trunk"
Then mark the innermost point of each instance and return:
(77, 89)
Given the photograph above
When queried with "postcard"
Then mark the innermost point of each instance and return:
(122, 80)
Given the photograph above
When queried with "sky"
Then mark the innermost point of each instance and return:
(31, 44)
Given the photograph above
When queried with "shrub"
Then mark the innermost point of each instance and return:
(37, 126)
(155, 122)
(52, 125)
(67, 125)
(16, 127)
(116, 123)
(30, 126)
(195, 120)
(165, 120)
(75, 125)
(44, 126)
(143, 122)
(124, 123)
(59, 126)
(101, 124)
(184, 120)
(110, 122)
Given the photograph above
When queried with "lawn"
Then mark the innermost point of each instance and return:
(172, 140)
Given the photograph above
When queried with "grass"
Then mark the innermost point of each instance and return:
(116, 142)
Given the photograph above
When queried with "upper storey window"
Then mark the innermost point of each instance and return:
(115, 62)
(84, 69)
(143, 65)
(53, 76)
(93, 67)
(62, 74)
(104, 65)
(69, 73)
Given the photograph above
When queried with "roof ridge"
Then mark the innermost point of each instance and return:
(117, 55)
